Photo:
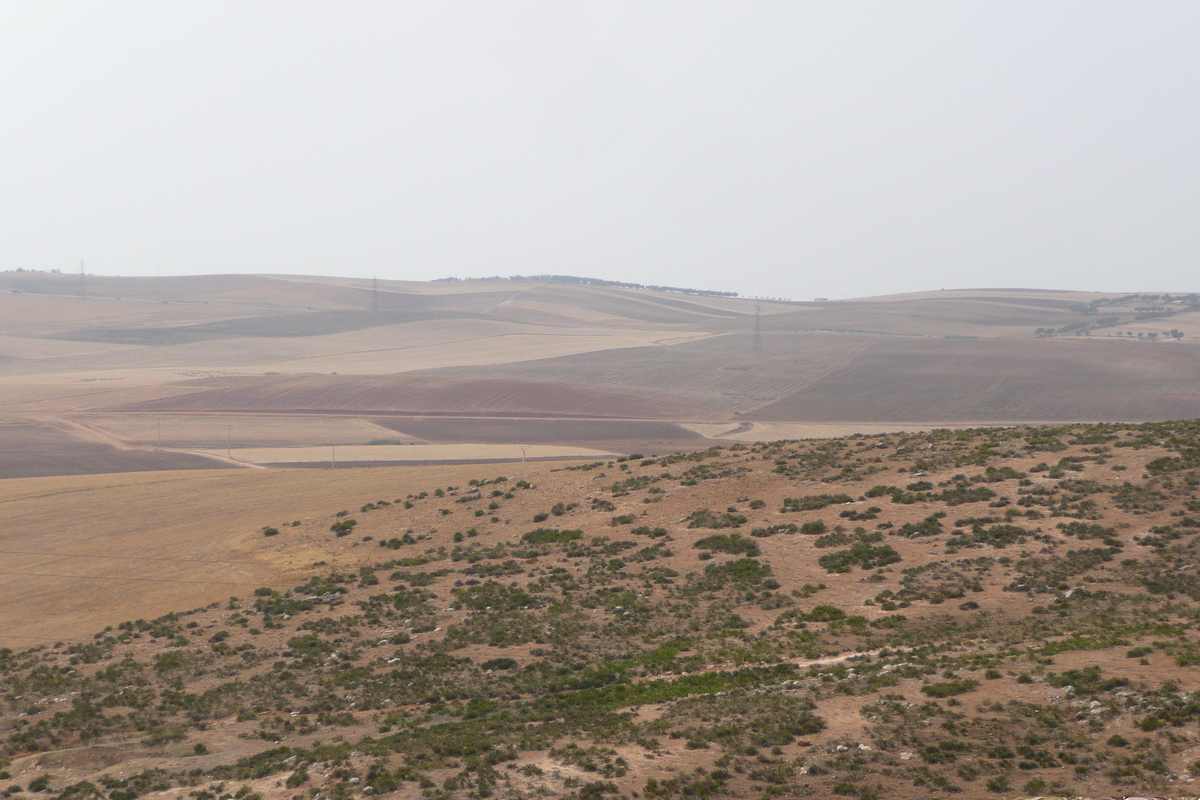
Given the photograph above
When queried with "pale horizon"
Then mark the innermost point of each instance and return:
(793, 150)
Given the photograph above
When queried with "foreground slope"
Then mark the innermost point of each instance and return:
(971, 613)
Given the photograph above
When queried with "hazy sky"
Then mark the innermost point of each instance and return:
(786, 149)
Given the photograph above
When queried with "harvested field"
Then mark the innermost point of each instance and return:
(826, 377)
(215, 291)
(776, 431)
(242, 430)
(520, 350)
(32, 450)
(393, 348)
(24, 347)
(991, 380)
(391, 453)
(83, 552)
(409, 393)
(537, 431)
(718, 375)
(639, 306)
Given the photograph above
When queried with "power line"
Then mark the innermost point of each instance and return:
(757, 328)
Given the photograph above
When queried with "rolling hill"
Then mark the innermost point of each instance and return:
(525, 361)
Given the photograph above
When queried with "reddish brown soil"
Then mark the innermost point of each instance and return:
(412, 393)
(981, 380)
(538, 431)
(32, 451)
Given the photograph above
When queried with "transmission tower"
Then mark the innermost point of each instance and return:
(374, 295)
(82, 289)
(757, 328)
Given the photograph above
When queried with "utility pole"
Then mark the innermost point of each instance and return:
(82, 289)
(523, 446)
(333, 456)
(374, 295)
(229, 441)
(757, 328)
(160, 434)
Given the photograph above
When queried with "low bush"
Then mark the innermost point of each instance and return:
(950, 688)
(734, 544)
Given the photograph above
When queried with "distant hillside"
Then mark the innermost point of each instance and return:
(596, 282)
(520, 350)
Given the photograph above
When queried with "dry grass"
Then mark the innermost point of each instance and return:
(82, 552)
(243, 430)
(411, 394)
(358, 454)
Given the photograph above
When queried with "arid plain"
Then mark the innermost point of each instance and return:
(169, 443)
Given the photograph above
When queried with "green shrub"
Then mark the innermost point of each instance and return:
(725, 543)
(930, 526)
(950, 688)
(773, 530)
(703, 518)
(825, 614)
(493, 596)
(551, 536)
(744, 572)
(862, 554)
(814, 502)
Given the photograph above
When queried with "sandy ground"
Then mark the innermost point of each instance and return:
(411, 452)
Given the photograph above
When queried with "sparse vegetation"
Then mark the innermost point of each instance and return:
(994, 645)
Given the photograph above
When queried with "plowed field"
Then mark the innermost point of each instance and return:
(537, 431)
(413, 393)
(718, 375)
(32, 450)
(997, 380)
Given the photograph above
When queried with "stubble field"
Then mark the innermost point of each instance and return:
(81, 551)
